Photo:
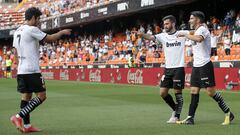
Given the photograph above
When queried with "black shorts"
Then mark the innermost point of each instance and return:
(203, 77)
(29, 83)
(8, 69)
(173, 78)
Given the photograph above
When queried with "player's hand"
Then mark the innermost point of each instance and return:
(66, 31)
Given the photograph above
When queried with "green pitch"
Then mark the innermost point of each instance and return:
(79, 108)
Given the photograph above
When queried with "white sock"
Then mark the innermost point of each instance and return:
(27, 125)
(18, 116)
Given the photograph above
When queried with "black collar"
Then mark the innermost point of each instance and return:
(172, 33)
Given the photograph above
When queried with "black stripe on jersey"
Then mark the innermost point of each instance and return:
(44, 37)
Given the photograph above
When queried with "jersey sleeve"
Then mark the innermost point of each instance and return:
(188, 43)
(202, 31)
(37, 33)
(14, 41)
(159, 38)
(184, 31)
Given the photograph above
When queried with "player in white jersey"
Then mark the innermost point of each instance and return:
(203, 70)
(174, 74)
(29, 79)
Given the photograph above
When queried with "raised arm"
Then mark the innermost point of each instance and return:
(146, 36)
(58, 35)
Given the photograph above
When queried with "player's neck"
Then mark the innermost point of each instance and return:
(197, 26)
(29, 23)
(173, 31)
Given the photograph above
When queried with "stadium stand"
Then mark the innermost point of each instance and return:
(13, 15)
(108, 48)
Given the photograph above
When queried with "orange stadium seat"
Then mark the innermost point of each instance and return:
(227, 57)
(237, 57)
(233, 57)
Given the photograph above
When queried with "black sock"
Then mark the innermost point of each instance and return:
(30, 107)
(219, 99)
(179, 105)
(26, 119)
(169, 100)
(194, 104)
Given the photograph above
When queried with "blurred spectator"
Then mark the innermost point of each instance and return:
(215, 23)
(157, 54)
(129, 46)
(227, 45)
(149, 30)
(143, 54)
(131, 63)
(236, 32)
(228, 21)
(183, 26)
(106, 38)
(0, 59)
(4, 49)
(157, 29)
(128, 35)
(214, 41)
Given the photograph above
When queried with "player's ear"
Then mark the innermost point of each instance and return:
(173, 24)
(33, 18)
(198, 20)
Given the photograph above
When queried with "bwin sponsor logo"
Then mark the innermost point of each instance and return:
(173, 44)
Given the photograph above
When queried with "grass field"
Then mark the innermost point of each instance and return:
(77, 108)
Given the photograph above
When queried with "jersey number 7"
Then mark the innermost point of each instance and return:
(19, 39)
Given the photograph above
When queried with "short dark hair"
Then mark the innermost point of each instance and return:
(199, 14)
(170, 17)
(33, 11)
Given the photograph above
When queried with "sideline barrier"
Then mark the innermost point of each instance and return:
(226, 78)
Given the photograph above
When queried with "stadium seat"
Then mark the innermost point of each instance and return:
(227, 57)
(220, 57)
(233, 57)
(237, 57)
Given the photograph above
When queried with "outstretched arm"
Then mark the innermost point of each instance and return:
(145, 36)
(58, 35)
(196, 38)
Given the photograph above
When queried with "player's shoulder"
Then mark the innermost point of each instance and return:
(28, 28)
(33, 29)
(20, 28)
(183, 31)
(202, 28)
(160, 34)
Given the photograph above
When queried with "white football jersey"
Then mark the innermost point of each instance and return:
(26, 40)
(202, 50)
(173, 48)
